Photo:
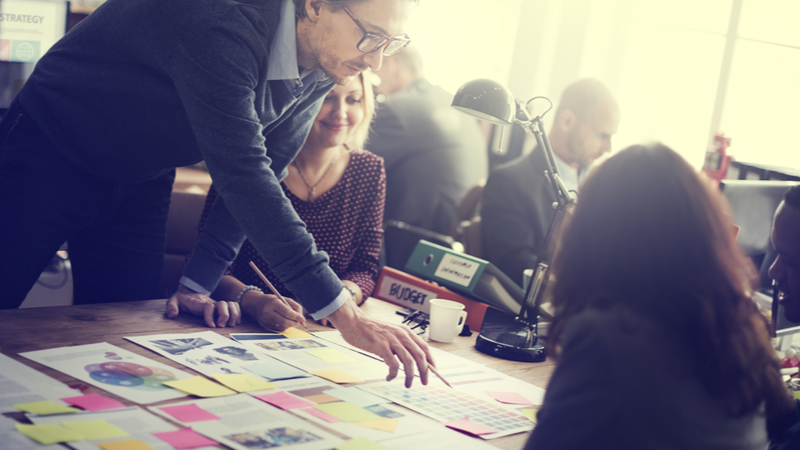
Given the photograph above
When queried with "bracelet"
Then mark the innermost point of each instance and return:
(249, 287)
(352, 292)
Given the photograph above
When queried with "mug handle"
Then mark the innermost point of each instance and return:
(462, 319)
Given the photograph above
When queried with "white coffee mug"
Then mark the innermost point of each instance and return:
(447, 319)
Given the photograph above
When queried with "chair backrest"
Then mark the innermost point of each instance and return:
(400, 239)
(753, 204)
(468, 209)
(184, 214)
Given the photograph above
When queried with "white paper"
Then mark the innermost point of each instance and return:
(114, 369)
(295, 352)
(247, 423)
(445, 404)
(206, 352)
(12, 439)
(433, 439)
(29, 28)
(138, 423)
(22, 384)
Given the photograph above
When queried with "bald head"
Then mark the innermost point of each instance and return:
(400, 70)
(586, 117)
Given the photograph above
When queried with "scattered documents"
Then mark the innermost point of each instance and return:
(199, 386)
(243, 382)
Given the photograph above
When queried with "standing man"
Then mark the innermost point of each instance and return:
(785, 430)
(517, 201)
(90, 144)
(432, 152)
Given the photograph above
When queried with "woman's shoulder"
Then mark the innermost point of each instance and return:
(365, 164)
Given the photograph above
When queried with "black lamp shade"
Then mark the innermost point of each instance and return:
(487, 100)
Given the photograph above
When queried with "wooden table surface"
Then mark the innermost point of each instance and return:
(24, 330)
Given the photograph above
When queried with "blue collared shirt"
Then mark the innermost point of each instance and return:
(283, 55)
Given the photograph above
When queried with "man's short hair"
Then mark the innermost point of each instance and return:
(792, 197)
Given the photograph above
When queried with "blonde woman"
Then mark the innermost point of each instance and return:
(338, 190)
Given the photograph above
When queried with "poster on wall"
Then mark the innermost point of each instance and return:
(28, 28)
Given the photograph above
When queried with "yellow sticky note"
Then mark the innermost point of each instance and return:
(361, 443)
(530, 413)
(331, 355)
(337, 376)
(348, 412)
(199, 386)
(293, 333)
(96, 429)
(45, 408)
(132, 444)
(243, 382)
(380, 424)
(48, 434)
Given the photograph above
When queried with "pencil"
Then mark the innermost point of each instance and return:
(436, 372)
(272, 288)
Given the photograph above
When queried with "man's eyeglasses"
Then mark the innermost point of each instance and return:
(372, 42)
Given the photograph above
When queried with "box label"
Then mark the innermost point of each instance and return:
(403, 293)
(456, 269)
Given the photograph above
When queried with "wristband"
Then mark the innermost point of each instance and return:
(352, 292)
(249, 287)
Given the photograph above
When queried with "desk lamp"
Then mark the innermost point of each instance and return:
(503, 336)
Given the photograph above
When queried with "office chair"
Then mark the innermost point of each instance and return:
(753, 204)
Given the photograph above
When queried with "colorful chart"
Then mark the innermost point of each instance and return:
(130, 375)
(446, 405)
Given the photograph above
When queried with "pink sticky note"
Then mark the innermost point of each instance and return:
(185, 438)
(470, 427)
(284, 401)
(93, 402)
(513, 398)
(321, 414)
(189, 413)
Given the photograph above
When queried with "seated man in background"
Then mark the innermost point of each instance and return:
(432, 152)
(517, 201)
(785, 430)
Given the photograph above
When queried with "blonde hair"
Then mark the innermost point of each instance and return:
(358, 134)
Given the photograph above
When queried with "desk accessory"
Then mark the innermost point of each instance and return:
(272, 288)
(504, 336)
(413, 292)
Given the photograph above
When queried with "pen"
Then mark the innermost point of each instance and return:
(436, 372)
(272, 288)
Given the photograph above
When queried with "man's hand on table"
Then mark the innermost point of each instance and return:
(186, 300)
(390, 342)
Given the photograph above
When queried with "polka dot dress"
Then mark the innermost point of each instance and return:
(346, 223)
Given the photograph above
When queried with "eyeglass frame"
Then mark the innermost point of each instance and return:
(368, 33)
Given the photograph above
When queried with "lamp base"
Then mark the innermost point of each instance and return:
(503, 337)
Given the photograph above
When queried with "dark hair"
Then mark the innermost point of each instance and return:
(650, 235)
(792, 197)
(300, 5)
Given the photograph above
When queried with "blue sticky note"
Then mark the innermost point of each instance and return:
(356, 396)
(276, 371)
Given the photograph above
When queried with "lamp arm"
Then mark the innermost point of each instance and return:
(529, 311)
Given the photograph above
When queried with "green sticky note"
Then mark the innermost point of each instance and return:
(243, 382)
(48, 434)
(96, 429)
(45, 408)
(331, 355)
(199, 386)
(361, 443)
(347, 412)
(530, 413)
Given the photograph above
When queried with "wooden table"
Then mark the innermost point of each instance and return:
(24, 330)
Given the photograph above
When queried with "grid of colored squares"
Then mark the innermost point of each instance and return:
(449, 405)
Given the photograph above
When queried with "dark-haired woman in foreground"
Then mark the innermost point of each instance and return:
(659, 344)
